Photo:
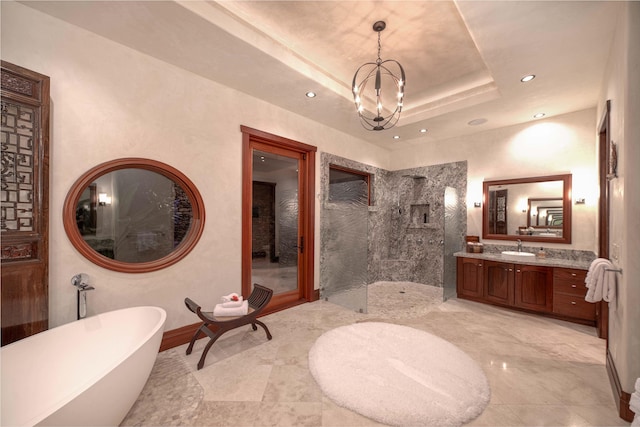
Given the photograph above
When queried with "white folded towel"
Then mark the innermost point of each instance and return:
(231, 297)
(220, 311)
(233, 303)
(600, 283)
(634, 404)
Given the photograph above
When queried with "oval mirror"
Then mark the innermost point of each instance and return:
(133, 215)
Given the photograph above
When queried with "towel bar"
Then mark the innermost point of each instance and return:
(615, 270)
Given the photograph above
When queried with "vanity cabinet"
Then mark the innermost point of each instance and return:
(525, 286)
(554, 291)
(533, 288)
(498, 279)
(470, 277)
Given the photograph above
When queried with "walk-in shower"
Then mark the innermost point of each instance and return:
(407, 232)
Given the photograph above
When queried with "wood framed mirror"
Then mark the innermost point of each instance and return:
(533, 209)
(133, 215)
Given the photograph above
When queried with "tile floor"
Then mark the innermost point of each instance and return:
(543, 372)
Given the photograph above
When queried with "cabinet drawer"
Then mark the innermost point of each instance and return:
(574, 306)
(576, 289)
(569, 281)
(569, 275)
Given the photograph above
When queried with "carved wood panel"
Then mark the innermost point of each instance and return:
(24, 188)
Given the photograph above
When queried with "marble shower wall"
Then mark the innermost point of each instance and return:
(406, 218)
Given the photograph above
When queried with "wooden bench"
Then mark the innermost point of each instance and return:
(258, 300)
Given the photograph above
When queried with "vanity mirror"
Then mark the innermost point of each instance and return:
(133, 215)
(535, 209)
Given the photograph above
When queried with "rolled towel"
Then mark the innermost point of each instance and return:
(232, 303)
(231, 297)
(220, 311)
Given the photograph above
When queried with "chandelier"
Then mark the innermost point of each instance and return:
(384, 81)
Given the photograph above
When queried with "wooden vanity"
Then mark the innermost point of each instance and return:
(550, 287)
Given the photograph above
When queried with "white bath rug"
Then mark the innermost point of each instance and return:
(398, 375)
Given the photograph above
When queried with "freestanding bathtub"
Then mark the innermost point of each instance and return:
(88, 372)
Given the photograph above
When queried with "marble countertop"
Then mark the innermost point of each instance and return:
(548, 262)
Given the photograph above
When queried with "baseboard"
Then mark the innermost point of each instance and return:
(176, 337)
(621, 397)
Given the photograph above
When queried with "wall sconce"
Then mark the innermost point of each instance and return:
(477, 204)
(580, 201)
(104, 199)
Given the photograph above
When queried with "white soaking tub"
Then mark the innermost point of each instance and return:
(88, 372)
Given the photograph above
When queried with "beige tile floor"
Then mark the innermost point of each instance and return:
(543, 372)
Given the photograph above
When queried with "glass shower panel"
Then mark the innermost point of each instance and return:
(452, 240)
(344, 263)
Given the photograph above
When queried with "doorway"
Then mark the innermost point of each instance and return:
(278, 217)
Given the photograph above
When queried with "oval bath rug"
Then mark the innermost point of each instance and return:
(398, 375)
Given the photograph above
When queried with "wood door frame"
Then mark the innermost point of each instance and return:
(252, 138)
(604, 147)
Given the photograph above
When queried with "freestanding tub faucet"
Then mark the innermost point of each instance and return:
(80, 282)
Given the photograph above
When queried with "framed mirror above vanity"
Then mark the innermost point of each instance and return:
(534, 209)
(133, 215)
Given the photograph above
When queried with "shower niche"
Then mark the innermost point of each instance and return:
(419, 216)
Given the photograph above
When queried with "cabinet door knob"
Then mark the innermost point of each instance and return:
(573, 274)
(574, 286)
(573, 303)
(480, 265)
(517, 271)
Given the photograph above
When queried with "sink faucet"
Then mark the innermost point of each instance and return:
(519, 245)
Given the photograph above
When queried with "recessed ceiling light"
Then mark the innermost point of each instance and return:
(537, 116)
(423, 131)
(528, 78)
(396, 136)
(310, 94)
(476, 122)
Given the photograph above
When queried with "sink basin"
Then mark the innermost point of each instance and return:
(517, 256)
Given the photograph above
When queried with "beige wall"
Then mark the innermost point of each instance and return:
(561, 144)
(109, 101)
(622, 87)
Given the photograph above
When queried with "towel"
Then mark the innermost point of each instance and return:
(600, 283)
(634, 403)
(232, 303)
(220, 311)
(231, 297)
